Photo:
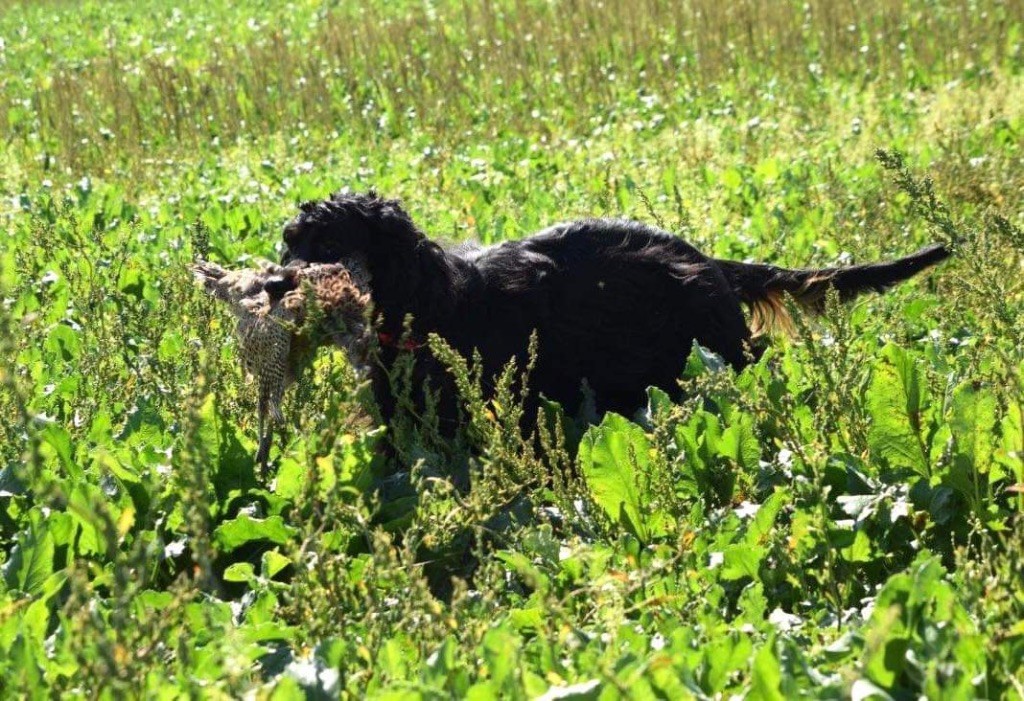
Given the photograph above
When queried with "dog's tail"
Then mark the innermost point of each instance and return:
(763, 287)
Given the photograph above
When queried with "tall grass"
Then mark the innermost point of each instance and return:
(445, 68)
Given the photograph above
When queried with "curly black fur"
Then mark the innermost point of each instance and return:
(615, 304)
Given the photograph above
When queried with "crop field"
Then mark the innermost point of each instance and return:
(843, 519)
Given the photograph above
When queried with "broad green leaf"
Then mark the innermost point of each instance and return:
(31, 561)
(1011, 446)
(973, 422)
(234, 466)
(63, 341)
(766, 677)
(150, 600)
(54, 438)
(764, 519)
(34, 619)
(27, 657)
(896, 400)
(767, 170)
(133, 282)
(395, 657)
(104, 460)
(701, 361)
(742, 560)
(485, 690)
(83, 503)
(263, 609)
(358, 455)
(753, 603)
(739, 443)
(615, 460)
(245, 529)
(906, 606)
(272, 563)
(145, 426)
(171, 345)
(239, 572)
(859, 550)
(287, 689)
(725, 656)
(526, 619)
(291, 478)
(887, 661)
(524, 567)
(658, 402)
(261, 632)
(500, 651)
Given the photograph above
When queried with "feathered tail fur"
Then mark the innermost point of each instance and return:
(763, 287)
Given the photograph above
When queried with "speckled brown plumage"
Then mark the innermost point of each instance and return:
(278, 333)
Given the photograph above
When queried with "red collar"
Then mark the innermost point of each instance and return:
(389, 339)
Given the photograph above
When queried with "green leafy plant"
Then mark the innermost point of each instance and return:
(841, 519)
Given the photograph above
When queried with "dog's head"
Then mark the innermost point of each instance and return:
(378, 243)
(363, 227)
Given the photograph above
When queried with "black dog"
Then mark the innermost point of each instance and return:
(615, 304)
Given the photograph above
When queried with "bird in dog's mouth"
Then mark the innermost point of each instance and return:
(283, 315)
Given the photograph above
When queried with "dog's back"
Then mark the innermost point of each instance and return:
(615, 304)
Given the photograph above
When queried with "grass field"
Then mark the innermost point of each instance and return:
(842, 520)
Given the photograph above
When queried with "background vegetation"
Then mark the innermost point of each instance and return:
(841, 520)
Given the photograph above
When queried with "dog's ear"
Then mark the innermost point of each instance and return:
(371, 226)
(394, 239)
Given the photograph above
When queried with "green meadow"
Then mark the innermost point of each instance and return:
(844, 519)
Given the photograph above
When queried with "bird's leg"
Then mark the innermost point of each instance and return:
(263, 454)
(266, 434)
